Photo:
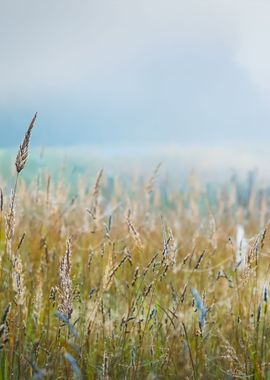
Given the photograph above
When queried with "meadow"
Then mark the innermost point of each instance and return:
(114, 277)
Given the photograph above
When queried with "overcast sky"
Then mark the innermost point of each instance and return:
(122, 71)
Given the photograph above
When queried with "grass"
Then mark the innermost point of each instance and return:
(133, 279)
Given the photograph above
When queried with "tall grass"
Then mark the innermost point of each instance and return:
(139, 281)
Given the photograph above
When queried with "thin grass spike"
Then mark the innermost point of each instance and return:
(24, 147)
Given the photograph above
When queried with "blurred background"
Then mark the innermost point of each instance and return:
(184, 82)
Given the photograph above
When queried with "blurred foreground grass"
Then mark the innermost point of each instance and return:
(107, 276)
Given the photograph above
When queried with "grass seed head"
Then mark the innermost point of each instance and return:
(22, 154)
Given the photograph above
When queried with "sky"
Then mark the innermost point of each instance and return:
(122, 72)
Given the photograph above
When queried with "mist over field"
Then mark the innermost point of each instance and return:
(125, 73)
(212, 163)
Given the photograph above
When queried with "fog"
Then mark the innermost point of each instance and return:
(126, 73)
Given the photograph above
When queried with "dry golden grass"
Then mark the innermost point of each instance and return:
(133, 282)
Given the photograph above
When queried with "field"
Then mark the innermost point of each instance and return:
(126, 277)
